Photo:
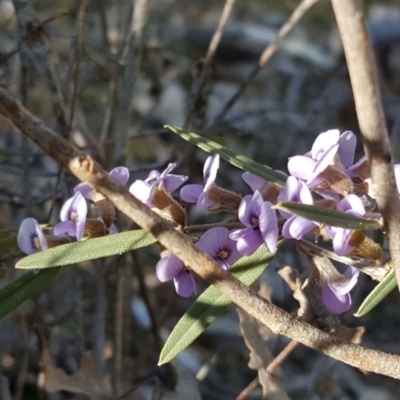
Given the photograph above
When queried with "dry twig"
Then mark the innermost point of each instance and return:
(364, 80)
(267, 54)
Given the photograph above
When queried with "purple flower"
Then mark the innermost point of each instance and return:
(261, 225)
(351, 204)
(73, 216)
(336, 290)
(217, 243)
(121, 174)
(296, 227)
(30, 237)
(171, 267)
(143, 190)
(199, 193)
(329, 148)
(254, 181)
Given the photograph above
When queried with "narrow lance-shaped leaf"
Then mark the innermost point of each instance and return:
(328, 216)
(381, 290)
(231, 156)
(210, 305)
(90, 249)
(24, 287)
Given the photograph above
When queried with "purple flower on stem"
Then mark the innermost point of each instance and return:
(199, 193)
(296, 227)
(171, 267)
(351, 204)
(30, 237)
(143, 190)
(73, 216)
(121, 174)
(217, 243)
(329, 148)
(336, 290)
(254, 181)
(261, 225)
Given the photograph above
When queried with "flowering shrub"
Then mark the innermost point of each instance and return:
(325, 178)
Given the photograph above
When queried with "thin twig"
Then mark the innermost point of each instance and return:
(279, 321)
(364, 80)
(199, 84)
(75, 73)
(267, 54)
(133, 61)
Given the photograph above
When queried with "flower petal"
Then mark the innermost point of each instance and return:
(210, 170)
(323, 142)
(248, 240)
(254, 181)
(191, 193)
(301, 167)
(28, 232)
(347, 147)
(172, 182)
(142, 191)
(64, 228)
(296, 227)
(121, 174)
(169, 267)
(268, 224)
(184, 283)
(336, 304)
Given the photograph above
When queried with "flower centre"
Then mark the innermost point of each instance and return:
(36, 243)
(255, 222)
(74, 216)
(223, 254)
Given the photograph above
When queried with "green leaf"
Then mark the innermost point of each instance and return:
(328, 216)
(90, 249)
(24, 287)
(231, 156)
(210, 305)
(381, 290)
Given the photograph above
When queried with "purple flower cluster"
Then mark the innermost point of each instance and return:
(324, 176)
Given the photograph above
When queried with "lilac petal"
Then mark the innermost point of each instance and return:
(167, 170)
(351, 274)
(336, 304)
(210, 171)
(353, 203)
(323, 142)
(64, 228)
(121, 174)
(268, 224)
(142, 191)
(350, 170)
(248, 240)
(301, 167)
(322, 164)
(296, 227)
(216, 240)
(185, 285)
(340, 241)
(249, 208)
(28, 231)
(347, 147)
(75, 205)
(153, 176)
(112, 229)
(172, 182)
(203, 203)
(169, 267)
(191, 193)
(254, 181)
(84, 189)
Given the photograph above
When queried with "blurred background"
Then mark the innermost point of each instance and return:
(108, 75)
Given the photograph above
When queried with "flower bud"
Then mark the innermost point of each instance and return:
(223, 200)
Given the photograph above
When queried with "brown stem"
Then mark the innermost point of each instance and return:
(364, 80)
